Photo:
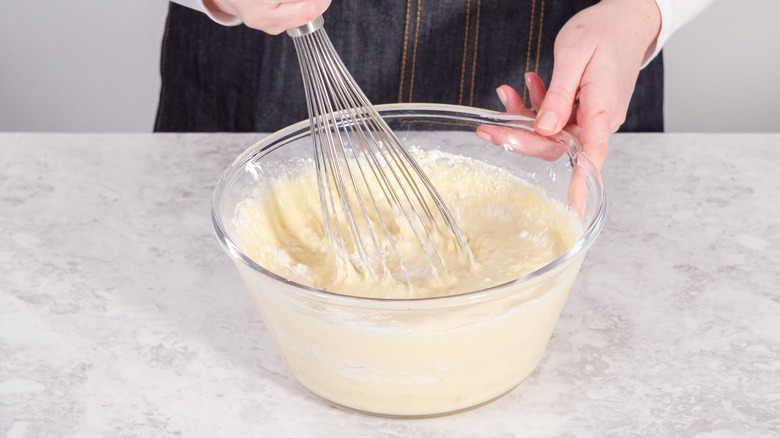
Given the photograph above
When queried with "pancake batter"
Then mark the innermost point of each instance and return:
(511, 227)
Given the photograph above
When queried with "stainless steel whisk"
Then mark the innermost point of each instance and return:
(376, 200)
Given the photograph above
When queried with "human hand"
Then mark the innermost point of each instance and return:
(270, 16)
(526, 141)
(522, 141)
(598, 54)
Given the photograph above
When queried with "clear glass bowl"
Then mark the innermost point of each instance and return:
(419, 357)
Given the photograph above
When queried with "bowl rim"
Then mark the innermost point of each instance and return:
(301, 129)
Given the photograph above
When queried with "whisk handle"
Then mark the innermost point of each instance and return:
(306, 28)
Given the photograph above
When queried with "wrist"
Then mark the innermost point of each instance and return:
(219, 11)
(653, 19)
(641, 23)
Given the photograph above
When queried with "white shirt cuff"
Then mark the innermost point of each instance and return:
(218, 17)
(674, 15)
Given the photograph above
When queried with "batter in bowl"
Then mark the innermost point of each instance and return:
(417, 356)
(511, 227)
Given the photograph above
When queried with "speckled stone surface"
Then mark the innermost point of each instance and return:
(121, 316)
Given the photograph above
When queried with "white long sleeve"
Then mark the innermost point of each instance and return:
(223, 19)
(674, 15)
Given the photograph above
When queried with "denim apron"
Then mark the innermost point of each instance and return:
(236, 79)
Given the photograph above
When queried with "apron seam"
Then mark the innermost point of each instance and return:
(414, 50)
(404, 53)
(528, 49)
(465, 52)
(476, 52)
(539, 36)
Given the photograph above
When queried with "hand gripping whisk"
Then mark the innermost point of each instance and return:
(381, 213)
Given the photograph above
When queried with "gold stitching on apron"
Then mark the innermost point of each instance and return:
(162, 68)
(465, 47)
(528, 50)
(414, 50)
(403, 56)
(539, 37)
(474, 59)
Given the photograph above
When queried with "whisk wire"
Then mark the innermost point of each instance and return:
(357, 153)
(367, 127)
(353, 121)
(325, 119)
(321, 111)
(360, 114)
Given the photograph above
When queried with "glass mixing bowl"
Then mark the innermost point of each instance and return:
(430, 356)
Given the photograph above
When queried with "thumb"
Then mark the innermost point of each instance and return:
(556, 108)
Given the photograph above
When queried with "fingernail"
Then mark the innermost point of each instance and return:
(484, 136)
(501, 96)
(547, 120)
(527, 78)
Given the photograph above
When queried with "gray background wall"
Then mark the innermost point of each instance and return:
(92, 66)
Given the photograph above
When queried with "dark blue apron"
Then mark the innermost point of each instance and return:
(236, 79)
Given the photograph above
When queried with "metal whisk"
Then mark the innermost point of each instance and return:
(381, 212)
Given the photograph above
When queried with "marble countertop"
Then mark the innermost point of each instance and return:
(121, 316)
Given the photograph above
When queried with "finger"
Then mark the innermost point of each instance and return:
(512, 101)
(578, 190)
(536, 89)
(556, 108)
(522, 141)
(276, 18)
(595, 129)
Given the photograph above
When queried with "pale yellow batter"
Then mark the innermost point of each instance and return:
(413, 357)
(511, 227)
